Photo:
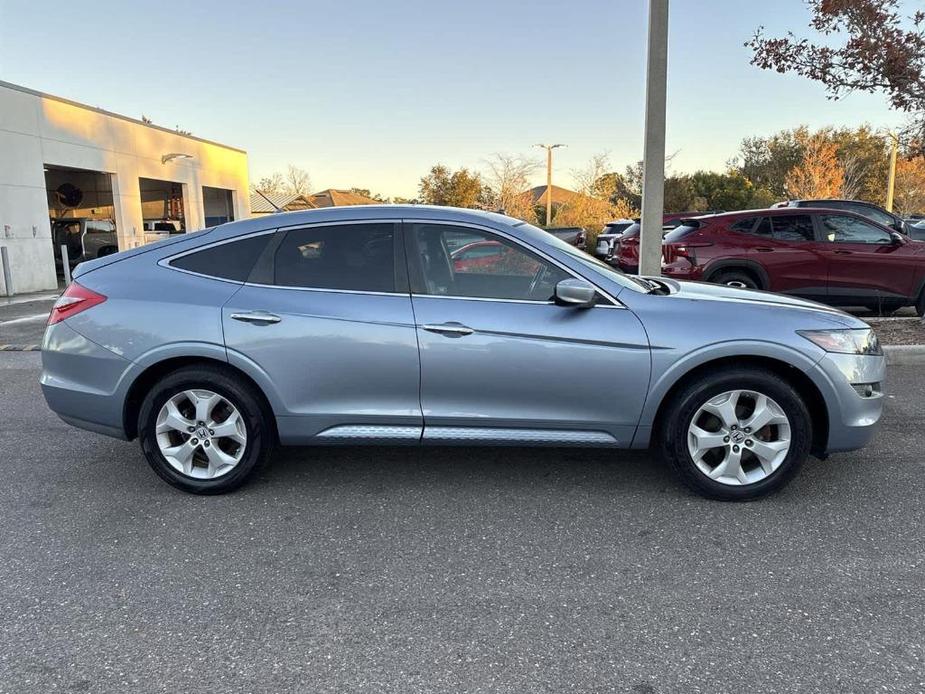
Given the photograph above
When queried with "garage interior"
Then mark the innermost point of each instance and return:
(75, 198)
(218, 206)
(162, 206)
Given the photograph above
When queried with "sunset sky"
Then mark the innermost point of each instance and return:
(371, 94)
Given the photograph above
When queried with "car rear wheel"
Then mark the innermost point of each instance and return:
(203, 431)
(735, 278)
(737, 436)
(920, 305)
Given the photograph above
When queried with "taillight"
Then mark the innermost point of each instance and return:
(76, 299)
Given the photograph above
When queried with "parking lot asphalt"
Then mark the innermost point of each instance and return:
(455, 570)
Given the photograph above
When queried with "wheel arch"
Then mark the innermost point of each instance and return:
(799, 379)
(157, 370)
(740, 265)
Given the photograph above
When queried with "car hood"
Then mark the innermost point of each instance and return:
(703, 291)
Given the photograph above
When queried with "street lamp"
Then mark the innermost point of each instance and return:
(549, 149)
(170, 156)
(891, 181)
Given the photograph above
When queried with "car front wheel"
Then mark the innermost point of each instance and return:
(738, 435)
(203, 431)
(730, 278)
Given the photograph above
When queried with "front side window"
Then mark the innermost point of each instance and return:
(355, 257)
(464, 262)
(841, 229)
(231, 261)
(793, 228)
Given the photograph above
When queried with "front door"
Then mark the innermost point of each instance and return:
(327, 318)
(501, 362)
(866, 265)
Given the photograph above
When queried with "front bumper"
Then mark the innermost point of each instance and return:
(853, 416)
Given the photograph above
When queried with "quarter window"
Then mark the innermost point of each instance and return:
(357, 257)
(447, 265)
(231, 261)
(841, 229)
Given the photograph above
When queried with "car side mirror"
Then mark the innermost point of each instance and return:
(898, 239)
(576, 293)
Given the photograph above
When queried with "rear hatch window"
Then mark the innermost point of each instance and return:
(687, 226)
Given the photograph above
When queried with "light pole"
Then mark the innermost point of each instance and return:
(549, 149)
(891, 181)
(653, 173)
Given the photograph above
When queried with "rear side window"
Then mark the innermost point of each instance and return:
(229, 261)
(745, 225)
(356, 257)
(796, 227)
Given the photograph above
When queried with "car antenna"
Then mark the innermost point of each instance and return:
(272, 204)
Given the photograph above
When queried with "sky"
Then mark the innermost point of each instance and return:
(371, 94)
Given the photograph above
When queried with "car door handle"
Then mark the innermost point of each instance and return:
(449, 329)
(762, 249)
(843, 252)
(257, 317)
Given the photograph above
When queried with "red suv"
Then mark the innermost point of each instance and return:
(833, 256)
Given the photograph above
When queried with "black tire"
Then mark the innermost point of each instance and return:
(260, 438)
(735, 278)
(672, 434)
(106, 250)
(920, 305)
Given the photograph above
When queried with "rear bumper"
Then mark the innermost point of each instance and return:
(80, 381)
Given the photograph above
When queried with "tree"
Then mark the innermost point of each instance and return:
(508, 177)
(819, 174)
(592, 207)
(295, 181)
(460, 188)
(910, 185)
(881, 51)
(721, 191)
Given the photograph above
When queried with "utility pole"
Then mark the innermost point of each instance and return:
(549, 149)
(891, 182)
(653, 173)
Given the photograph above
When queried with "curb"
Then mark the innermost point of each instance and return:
(20, 348)
(904, 355)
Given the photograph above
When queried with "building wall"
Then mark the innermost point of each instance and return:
(38, 130)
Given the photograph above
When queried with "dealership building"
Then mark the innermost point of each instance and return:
(98, 182)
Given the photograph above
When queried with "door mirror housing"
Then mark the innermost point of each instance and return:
(576, 293)
(898, 239)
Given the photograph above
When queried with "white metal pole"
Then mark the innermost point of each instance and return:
(65, 264)
(7, 272)
(653, 176)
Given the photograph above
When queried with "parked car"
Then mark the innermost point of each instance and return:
(606, 241)
(625, 253)
(917, 231)
(865, 209)
(832, 256)
(85, 239)
(352, 325)
(574, 236)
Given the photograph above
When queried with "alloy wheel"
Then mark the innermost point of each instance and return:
(739, 437)
(201, 434)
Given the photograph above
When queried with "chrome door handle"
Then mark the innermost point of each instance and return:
(257, 317)
(449, 329)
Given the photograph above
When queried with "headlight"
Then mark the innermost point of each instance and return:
(857, 341)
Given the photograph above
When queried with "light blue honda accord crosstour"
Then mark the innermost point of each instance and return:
(439, 326)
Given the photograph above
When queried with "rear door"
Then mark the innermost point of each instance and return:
(502, 363)
(865, 263)
(791, 254)
(326, 315)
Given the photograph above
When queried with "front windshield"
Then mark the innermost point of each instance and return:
(612, 273)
